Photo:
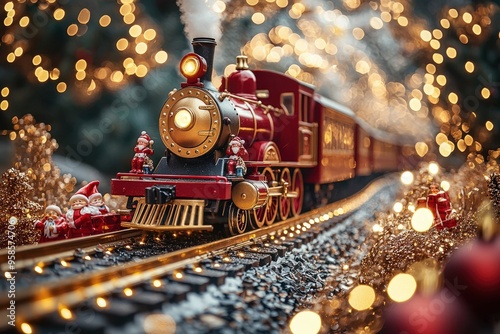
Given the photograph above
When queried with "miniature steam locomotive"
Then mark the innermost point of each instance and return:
(247, 154)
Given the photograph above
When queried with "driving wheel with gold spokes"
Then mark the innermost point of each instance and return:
(284, 202)
(297, 187)
(266, 214)
(237, 220)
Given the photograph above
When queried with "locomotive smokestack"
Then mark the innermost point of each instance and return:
(205, 47)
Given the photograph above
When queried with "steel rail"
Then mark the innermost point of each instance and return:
(29, 254)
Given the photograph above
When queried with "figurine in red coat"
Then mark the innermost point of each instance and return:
(237, 153)
(142, 150)
(438, 201)
(53, 226)
(79, 215)
(96, 202)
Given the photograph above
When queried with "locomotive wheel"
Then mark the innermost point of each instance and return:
(297, 186)
(272, 202)
(258, 218)
(236, 220)
(266, 214)
(284, 203)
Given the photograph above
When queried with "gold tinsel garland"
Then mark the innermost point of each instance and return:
(39, 177)
(396, 248)
(494, 194)
(18, 210)
(33, 183)
(34, 148)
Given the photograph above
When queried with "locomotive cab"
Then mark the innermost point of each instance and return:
(295, 124)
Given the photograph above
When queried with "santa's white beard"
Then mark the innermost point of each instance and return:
(46, 229)
(235, 149)
(94, 210)
(70, 217)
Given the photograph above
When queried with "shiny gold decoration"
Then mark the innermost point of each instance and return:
(394, 248)
(34, 148)
(190, 123)
(175, 215)
(18, 212)
(267, 108)
(242, 63)
(494, 195)
(271, 153)
(250, 194)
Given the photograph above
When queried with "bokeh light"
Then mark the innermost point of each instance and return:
(407, 178)
(433, 168)
(305, 322)
(445, 185)
(401, 287)
(26, 328)
(397, 207)
(361, 297)
(422, 220)
(65, 313)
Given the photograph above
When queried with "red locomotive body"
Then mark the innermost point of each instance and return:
(284, 139)
(256, 123)
(294, 127)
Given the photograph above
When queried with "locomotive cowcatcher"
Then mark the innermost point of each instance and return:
(247, 154)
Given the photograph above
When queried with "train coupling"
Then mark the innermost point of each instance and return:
(160, 194)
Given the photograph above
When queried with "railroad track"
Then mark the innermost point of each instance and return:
(32, 254)
(227, 255)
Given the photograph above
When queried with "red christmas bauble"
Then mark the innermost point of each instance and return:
(440, 313)
(474, 272)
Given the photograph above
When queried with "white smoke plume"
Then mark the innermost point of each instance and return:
(201, 18)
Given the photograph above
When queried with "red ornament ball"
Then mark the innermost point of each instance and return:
(440, 313)
(474, 271)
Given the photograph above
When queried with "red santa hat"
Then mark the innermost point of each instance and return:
(83, 193)
(236, 140)
(94, 192)
(53, 208)
(144, 137)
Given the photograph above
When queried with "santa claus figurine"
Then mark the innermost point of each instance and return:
(79, 214)
(53, 226)
(237, 153)
(438, 201)
(142, 150)
(96, 201)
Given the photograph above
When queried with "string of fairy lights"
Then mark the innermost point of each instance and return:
(325, 45)
(135, 44)
(471, 25)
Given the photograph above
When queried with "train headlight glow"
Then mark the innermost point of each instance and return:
(183, 119)
(193, 67)
(190, 67)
